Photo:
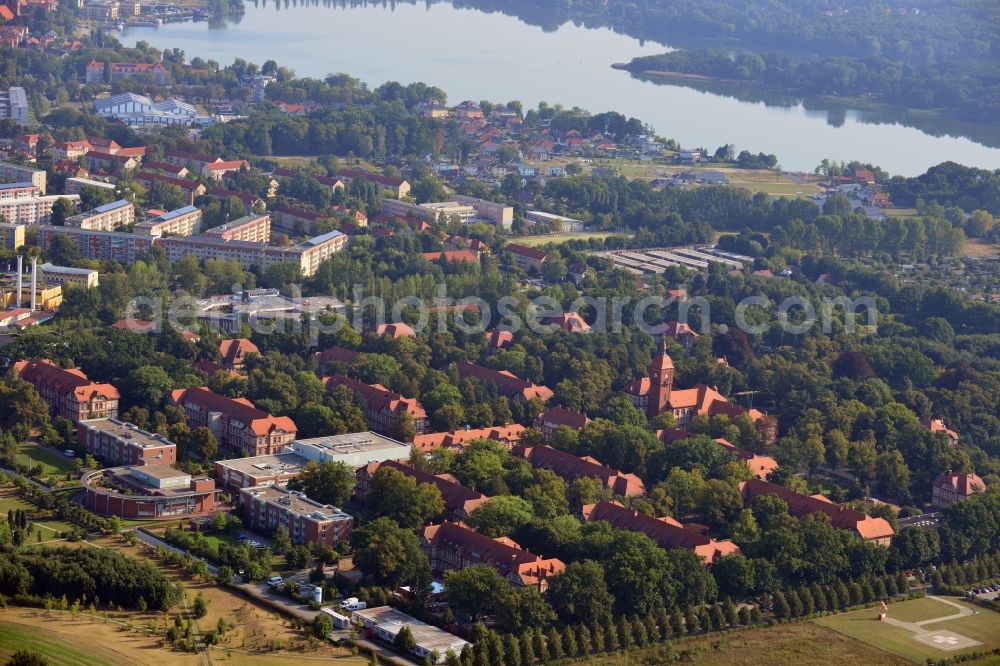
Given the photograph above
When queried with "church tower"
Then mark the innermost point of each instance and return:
(661, 381)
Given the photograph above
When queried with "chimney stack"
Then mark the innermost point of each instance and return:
(34, 283)
(20, 280)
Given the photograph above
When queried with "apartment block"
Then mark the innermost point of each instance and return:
(108, 217)
(117, 246)
(16, 173)
(14, 105)
(118, 443)
(33, 210)
(499, 214)
(252, 228)
(271, 507)
(11, 236)
(181, 222)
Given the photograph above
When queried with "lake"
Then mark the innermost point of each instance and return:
(476, 55)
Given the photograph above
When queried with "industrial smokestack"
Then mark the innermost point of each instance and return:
(20, 279)
(34, 282)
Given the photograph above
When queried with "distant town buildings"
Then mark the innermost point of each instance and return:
(121, 71)
(181, 222)
(506, 383)
(119, 246)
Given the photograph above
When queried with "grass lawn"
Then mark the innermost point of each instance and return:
(864, 626)
(900, 212)
(977, 248)
(545, 239)
(52, 463)
(48, 528)
(781, 645)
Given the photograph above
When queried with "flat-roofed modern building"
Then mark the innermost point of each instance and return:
(386, 622)
(16, 173)
(108, 217)
(76, 185)
(104, 245)
(270, 507)
(119, 443)
(181, 222)
(254, 228)
(86, 277)
(270, 470)
(14, 105)
(33, 210)
(147, 493)
(499, 214)
(355, 450)
(11, 235)
(25, 190)
(307, 255)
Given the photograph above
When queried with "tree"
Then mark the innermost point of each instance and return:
(501, 515)
(477, 590)
(280, 541)
(63, 251)
(202, 444)
(390, 555)
(322, 626)
(328, 482)
(398, 496)
(892, 474)
(61, 209)
(404, 641)
(402, 428)
(27, 658)
(200, 606)
(720, 503)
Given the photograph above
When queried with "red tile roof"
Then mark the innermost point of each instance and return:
(560, 416)
(800, 505)
(232, 349)
(336, 354)
(456, 496)
(258, 421)
(506, 383)
(666, 532)
(502, 554)
(395, 330)
(965, 485)
(508, 434)
(461, 256)
(525, 251)
(378, 397)
(46, 373)
(571, 467)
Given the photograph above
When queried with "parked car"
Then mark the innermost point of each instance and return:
(69, 453)
(275, 580)
(352, 604)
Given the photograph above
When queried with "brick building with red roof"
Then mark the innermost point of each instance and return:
(571, 467)
(236, 423)
(69, 393)
(459, 501)
(382, 406)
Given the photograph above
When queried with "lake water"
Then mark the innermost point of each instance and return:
(475, 55)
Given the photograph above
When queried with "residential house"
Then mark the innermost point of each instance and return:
(508, 435)
(235, 422)
(526, 258)
(452, 546)
(555, 417)
(382, 406)
(571, 467)
(69, 393)
(954, 487)
(459, 501)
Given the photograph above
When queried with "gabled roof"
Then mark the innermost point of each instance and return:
(462, 256)
(525, 251)
(560, 416)
(239, 409)
(232, 349)
(571, 467)
(456, 496)
(42, 372)
(800, 505)
(965, 485)
(502, 554)
(378, 397)
(506, 383)
(666, 532)
(395, 330)
(508, 434)
(336, 354)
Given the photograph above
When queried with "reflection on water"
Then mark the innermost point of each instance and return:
(480, 55)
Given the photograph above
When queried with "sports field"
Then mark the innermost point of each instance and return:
(915, 631)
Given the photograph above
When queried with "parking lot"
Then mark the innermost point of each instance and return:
(984, 592)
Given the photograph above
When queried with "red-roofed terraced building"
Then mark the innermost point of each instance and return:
(382, 406)
(554, 417)
(506, 382)
(452, 546)
(234, 353)
(877, 530)
(666, 532)
(458, 256)
(459, 439)
(236, 423)
(571, 467)
(459, 501)
(955, 487)
(69, 393)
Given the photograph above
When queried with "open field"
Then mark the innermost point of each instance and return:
(864, 625)
(900, 212)
(978, 248)
(782, 645)
(756, 180)
(9, 500)
(545, 239)
(52, 463)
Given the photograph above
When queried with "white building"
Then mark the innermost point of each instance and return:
(140, 111)
(62, 274)
(33, 210)
(386, 622)
(14, 105)
(355, 449)
(109, 217)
